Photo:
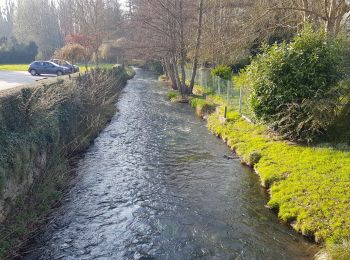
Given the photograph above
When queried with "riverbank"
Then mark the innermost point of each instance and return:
(43, 125)
(309, 186)
(156, 184)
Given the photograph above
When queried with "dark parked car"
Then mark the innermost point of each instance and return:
(64, 63)
(47, 67)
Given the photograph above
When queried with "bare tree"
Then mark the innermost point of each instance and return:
(163, 28)
(7, 19)
(37, 20)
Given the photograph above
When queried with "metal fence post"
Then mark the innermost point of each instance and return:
(219, 86)
(240, 100)
(228, 92)
(201, 76)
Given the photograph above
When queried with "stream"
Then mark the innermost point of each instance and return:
(157, 185)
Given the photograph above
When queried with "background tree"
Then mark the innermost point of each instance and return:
(36, 20)
(164, 27)
(71, 52)
(7, 19)
(86, 42)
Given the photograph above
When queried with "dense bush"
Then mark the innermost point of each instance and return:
(12, 52)
(295, 86)
(223, 72)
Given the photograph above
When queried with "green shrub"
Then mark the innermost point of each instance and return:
(339, 132)
(203, 107)
(173, 95)
(295, 86)
(223, 72)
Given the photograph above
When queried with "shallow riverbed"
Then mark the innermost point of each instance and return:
(157, 185)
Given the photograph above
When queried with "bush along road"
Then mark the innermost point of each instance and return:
(42, 126)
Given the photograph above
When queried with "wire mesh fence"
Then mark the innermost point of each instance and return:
(236, 98)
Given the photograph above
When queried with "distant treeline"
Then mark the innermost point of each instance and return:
(12, 52)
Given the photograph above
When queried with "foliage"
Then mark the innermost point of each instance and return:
(339, 131)
(173, 95)
(295, 86)
(241, 64)
(12, 52)
(202, 106)
(222, 72)
(71, 52)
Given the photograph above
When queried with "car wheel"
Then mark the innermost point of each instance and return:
(33, 72)
(59, 73)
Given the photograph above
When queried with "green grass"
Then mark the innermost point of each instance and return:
(14, 67)
(202, 106)
(309, 186)
(173, 95)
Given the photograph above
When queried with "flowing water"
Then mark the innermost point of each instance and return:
(156, 185)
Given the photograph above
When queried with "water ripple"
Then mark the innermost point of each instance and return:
(157, 185)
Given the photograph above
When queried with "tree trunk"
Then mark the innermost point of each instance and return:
(331, 17)
(198, 43)
(97, 58)
(306, 7)
(171, 73)
(176, 72)
(184, 90)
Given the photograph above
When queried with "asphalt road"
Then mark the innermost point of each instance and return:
(11, 79)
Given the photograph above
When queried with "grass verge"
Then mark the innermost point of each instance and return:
(14, 67)
(309, 186)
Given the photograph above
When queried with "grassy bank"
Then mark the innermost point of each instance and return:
(309, 186)
(42, 126)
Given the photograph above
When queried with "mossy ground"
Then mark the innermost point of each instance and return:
(309, 186)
